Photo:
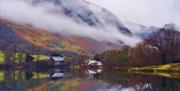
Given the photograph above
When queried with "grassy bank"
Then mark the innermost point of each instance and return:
(173, 67)
(2, 57)
(167, 70)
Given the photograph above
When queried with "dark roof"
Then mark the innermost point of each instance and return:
(56, 54)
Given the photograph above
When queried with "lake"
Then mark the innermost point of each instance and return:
(83, 80)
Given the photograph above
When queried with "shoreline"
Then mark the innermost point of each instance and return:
(171, 70)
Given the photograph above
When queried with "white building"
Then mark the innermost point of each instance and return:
(94, 63)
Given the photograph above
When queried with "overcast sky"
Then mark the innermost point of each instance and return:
(146, 12)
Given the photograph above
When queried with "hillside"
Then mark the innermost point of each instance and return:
(11, 33)
(83, 13)
(60, 25)
(27, 35)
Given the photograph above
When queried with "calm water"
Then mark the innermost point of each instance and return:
(82, 80)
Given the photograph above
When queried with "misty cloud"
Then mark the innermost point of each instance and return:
(146, 12)
(22, 11)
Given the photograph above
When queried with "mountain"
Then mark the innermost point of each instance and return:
(27, 37)
(84, 12)
(25, 33)
(47, 34)
(140, 30)
(135, 28)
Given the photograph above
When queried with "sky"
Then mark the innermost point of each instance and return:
(146, 12)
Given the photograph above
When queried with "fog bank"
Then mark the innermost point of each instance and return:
(40, 16)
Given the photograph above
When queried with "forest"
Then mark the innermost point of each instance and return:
(161, 47)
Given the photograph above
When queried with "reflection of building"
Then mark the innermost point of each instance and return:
(56, 59)
(56, 74)
(94, 71)
(28, 75)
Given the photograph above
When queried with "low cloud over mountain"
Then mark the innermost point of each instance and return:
(68, 17)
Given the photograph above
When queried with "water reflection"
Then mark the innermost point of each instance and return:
(94, 71)
(82, 80)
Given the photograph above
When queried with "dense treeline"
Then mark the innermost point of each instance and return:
(160, 47)
(114, 58)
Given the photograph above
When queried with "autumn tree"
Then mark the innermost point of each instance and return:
(10, 53)
(167, 39)
(160, 47)
(143, 55)
(114, 58)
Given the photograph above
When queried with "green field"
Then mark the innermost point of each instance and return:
(21, 56)
(167, 70)
(40, 57)
(172, 67)
(166, 67)
(2, 57)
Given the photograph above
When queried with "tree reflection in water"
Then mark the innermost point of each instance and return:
(82, 80)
